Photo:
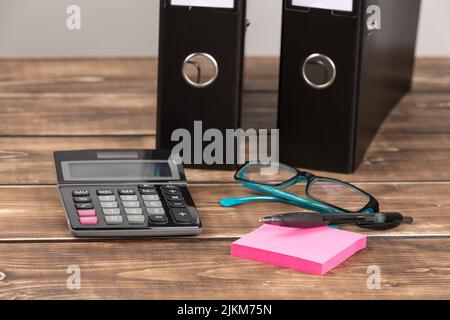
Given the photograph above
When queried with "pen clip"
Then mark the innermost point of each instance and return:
(380, 226)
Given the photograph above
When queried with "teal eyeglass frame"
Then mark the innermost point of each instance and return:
(275, 193)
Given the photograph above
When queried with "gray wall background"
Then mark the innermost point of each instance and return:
(37, 28)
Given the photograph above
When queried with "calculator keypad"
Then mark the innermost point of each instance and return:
(142, 206)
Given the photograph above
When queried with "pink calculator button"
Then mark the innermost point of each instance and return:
(86, 213)
(88, 221)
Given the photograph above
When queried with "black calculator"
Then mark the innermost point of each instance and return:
(125, 193)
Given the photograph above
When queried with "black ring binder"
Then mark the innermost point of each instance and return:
(331, 128)
(218, 33)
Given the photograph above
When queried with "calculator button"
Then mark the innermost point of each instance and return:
(80, 193)
(158, 218)
(133, 211)
(111, 212)
(86, 213)
(127, 192)
(107, 198)
(108, 192)
(114, 220)
(173, 197)
(177, 204)
(146, 186)
(156, 211)
(128, 198)
(148, 191)
(131, 204)
(136, 219)
(84, 206)
(181, 215)
(170, 187)
(91, 221)
(149, 197)
(109, 205)
(82, 199)
(174, 192)
(153, 204)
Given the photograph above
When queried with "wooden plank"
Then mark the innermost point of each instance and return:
(30, 160)
(135, 114)
(76, 114)
(89, 110)
(420, 113)
(78, 75)
(416, 113)
(410, 269)
(421, 157)
(139, 75)
(432, 75)
(35, 213)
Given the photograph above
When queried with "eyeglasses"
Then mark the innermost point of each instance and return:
(324, 195)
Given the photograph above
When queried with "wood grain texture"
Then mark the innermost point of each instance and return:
(123, 112)
(410, 269)
(415, 114)
(78, 75)
(30, 160)
(78, 114)
(432, 75)
(49, 105)
(33, 213)
(394, 158)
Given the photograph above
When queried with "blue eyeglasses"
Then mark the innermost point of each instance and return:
(323, 195)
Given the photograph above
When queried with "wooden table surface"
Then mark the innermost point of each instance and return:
(49, 105)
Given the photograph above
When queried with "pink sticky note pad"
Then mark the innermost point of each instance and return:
(314, 251)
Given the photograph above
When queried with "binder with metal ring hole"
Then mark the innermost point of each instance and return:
(201, 58)
(344, 65)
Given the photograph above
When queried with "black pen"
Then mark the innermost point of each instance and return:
(378, 221)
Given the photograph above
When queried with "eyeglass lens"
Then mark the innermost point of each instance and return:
(338, 194)
(273, 174)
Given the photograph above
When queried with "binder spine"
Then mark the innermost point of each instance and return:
(317, 122)
(217, 34)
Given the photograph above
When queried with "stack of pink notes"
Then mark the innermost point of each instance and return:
(315, 251)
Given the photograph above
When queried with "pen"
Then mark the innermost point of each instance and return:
(379, 221)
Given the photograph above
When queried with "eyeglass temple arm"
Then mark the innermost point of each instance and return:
(232, 202)
(292, 199)
(303, 203)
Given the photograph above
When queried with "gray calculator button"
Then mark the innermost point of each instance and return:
(148, 191)
(111, 212)
(107, 192)
(114, 220)
(109, 205)
(153, 204)
(128, 198)
(127, 192)
(156, 211)
(133, 211)
(131, 204)
(107, 198)
(149, 197)
(136, 219)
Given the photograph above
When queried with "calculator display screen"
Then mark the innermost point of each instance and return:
(119, 170)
